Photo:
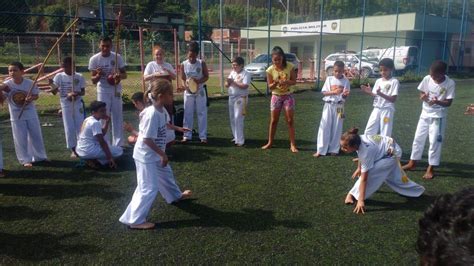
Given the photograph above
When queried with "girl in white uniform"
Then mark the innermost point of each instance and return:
(335, 91)
(91, 144)
(103, 73)
(385, 93)
(238, 84)
(70, 99)
(26, 129)
(153, 172)
(195, 69)
(379, 162)
(437, 94)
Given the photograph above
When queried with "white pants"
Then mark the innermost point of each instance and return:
(195, 101)
(387, 171)
(98, 153)
(72, 120)
(380, 122)
(29, 146)
(434, 128)
(330, 128)
(237, 111)
(151, 179)
(114, 110)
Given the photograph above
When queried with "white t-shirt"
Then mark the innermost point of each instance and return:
(194, 71)
(107, 64)
(387, 87)
(153, 67)
(373, 148)
(88, 141)
(153, 126)
(242, 77)
(30, 109)
(332, 83)
(64, 83)
(443, 91)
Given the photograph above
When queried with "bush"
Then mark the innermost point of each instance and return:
(410, 76)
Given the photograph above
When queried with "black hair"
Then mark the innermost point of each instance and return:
(439, 67)
(106, 39)
(278, 51)
(67, 60)
(96, 105)
(138, 97)
(388, 63)
(446, 235)
(238, 60)
(193, 47)
(352, 138)
(17, 64)
(339, 64)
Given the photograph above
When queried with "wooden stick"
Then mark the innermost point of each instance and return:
(44, 63)
(50, 74)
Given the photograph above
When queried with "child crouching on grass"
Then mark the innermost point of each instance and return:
(153, 172)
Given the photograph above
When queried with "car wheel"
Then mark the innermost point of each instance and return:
(329, 71)
(365, 73)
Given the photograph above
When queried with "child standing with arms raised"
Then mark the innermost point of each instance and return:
(238, 84)
(437, 94)
(385, 93)
(153, 172)
(335, 91)
(281, 78)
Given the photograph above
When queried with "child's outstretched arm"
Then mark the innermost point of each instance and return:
(105, 148)
(150, 143)
(360, 207)
(176, 128)
(387, 97)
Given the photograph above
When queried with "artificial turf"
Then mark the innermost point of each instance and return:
(250, 205)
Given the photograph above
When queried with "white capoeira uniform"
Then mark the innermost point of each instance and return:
(195, 101)
(330, 127)
(111, 95)
(432, 121)
(238, 100)
(27, 136)
(72, 112)
(381, 118)
(88, 146)
(151, 176)
(152, 68)
(383, 166)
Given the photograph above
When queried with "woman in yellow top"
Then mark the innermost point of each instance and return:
(281, 78)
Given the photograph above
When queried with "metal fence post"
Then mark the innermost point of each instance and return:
(269, 20)
(321, 17)
(396, 33)
(362, 38)
(420, 60)
(445, 46)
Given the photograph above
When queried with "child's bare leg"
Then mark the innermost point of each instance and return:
(275, 115)
(410, 165)
(429, 174)
(349, 199)
(143, 226)
(289, 114)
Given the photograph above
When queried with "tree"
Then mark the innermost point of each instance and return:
(13, 22)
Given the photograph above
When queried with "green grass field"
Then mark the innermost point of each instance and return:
(250, 206)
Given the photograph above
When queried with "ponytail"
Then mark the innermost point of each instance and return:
(352, 138)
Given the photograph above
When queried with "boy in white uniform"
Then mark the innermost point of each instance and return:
(385, 93)
(437, 94)
(195, 69)
(335, 91)
(109, 90)
(91, 145)
(379, 162)
(153, 172)
(70, 99)
(238, 84)
(26, 129)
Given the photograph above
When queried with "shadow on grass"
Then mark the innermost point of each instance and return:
(412, 204)
(190, 152)
(247, 220)
(41, 246)
(14, 213)
(59, 192)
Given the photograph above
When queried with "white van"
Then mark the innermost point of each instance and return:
(406, 57)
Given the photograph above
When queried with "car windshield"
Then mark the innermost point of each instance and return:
(260, 59)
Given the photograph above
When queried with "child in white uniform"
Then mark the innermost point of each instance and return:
(238, 83)
(437, 94)
(153, 172)
(335, 91)
(91, 144)
(385, 93)
(26, 129)
(195, 69)
(70, 99)
(379, 162)
(109, 90)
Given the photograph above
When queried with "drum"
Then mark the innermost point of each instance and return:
(192, 86)
(19, 98)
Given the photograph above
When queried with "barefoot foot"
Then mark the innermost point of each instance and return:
(143, 226)
(349, 199)
(186, 194)
(317, 154)
(410, 165)
(28, 165)
(267, 146)
(429, 173)
(293, 149)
